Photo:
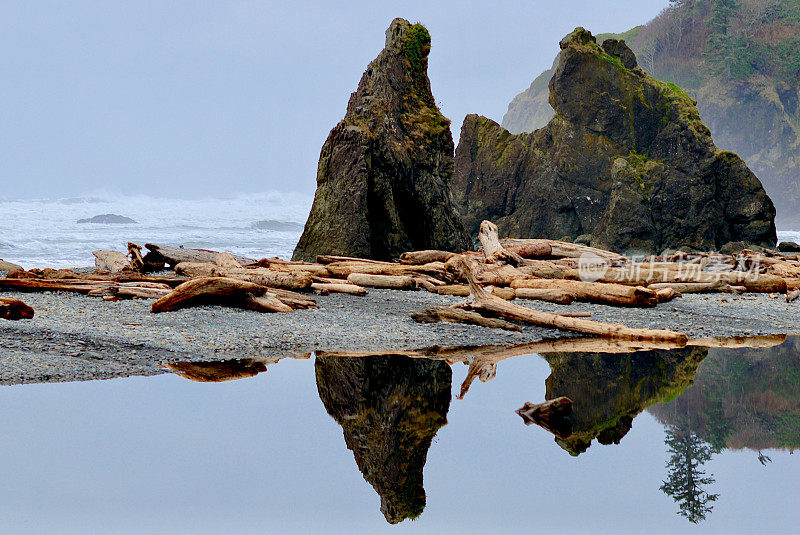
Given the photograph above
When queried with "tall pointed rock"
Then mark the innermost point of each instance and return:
(383, 181)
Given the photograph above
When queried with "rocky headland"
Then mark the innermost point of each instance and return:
(625, 164)
(741, 61)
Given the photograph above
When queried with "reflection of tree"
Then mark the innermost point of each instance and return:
(685, 478)
(390, 407)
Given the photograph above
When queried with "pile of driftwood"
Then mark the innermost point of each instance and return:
(503, 270)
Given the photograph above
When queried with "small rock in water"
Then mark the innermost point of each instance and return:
(789, 247)
(112, 219)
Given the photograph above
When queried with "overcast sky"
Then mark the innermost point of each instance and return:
(197, 99)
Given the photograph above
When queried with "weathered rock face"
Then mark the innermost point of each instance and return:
(383, 181)
(390, 408)
(626, 159)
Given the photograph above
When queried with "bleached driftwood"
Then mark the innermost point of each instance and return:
(482, 300)
(262, 276)
(494, 251)
(425, 257)
(220, 291)
(382, 281)
(352, 289)
(595, 292)
(175, 255)
(113, 261)
(455, 315)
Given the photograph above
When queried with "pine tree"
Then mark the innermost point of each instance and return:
(685, 479)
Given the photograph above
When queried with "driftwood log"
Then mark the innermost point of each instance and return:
(262, 276)
(113, 261)
(494, 251)
(394, 282)
(344, 288)
(220, 291)
(481, 300)
(595, 292)
(455, 315)
(175, 255)
(419, 258)
(14, 309)
(552, 415)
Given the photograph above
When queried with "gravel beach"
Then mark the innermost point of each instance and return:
(73, 337)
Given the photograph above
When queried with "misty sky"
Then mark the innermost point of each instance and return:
(197, 99)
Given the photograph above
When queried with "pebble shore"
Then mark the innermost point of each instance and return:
(74, 337)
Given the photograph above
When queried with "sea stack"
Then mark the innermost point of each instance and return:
(383, 180)
(626, 164)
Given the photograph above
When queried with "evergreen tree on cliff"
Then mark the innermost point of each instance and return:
(383, 181)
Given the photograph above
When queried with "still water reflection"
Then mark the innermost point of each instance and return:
(652, 440)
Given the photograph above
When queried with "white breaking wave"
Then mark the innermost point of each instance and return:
(45, 233)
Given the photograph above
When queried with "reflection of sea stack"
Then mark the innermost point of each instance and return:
(609, 390)
(390, 408)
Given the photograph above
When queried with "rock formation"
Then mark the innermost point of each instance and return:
(741, 70)
(626, 160)
(108, 219)
(390, 408)
(383, 181)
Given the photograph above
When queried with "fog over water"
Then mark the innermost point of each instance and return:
(194, 100)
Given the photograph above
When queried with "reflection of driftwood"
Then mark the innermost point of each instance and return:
(481, 300)
(14, 309)
(218, 371)
(552, 415)
(455, 315)
(768, 340)
(220, 291)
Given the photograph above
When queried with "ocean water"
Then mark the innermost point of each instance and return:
(45, 233)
